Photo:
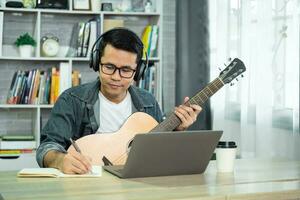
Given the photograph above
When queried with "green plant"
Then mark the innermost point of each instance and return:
(25, 39)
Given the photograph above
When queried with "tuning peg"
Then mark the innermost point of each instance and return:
(242, 76)
(231, 84)
(229, 59)
(237, 79)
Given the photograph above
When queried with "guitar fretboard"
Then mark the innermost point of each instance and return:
(200, 98)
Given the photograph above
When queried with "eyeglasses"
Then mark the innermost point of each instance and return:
(110, 69)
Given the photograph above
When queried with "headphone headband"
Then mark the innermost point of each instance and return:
(95, 54)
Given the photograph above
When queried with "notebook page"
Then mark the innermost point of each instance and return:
(96, 172)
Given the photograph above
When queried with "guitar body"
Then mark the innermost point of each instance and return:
(114, 146)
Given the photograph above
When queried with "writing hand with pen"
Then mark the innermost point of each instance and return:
(76, 163)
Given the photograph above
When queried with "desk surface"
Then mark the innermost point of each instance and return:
(252, 179)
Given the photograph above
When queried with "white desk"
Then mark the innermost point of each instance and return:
(252, 179)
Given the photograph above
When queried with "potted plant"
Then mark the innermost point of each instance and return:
(25, 43)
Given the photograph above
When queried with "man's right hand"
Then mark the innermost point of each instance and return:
(68, 163)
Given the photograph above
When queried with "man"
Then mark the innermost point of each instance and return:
(102, 105)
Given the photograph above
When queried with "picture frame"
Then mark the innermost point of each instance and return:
(138, 5)
(81, 4)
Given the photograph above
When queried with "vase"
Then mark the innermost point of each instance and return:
(25, 51)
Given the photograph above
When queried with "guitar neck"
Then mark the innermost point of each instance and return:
(170, 123)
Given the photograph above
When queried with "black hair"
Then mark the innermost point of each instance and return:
(124, 39)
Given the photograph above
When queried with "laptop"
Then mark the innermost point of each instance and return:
(168, 153)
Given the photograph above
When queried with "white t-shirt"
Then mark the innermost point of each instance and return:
(113, 115)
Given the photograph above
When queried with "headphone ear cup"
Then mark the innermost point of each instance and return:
(140, 72)
(94, 58)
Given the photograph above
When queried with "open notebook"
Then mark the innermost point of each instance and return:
(55, 173)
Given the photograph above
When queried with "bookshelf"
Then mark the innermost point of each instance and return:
(30, 118)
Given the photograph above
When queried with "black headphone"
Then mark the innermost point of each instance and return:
(95, 54)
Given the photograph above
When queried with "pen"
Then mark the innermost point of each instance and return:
(75, 145)
(77, 148)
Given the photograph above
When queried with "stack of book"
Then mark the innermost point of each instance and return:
(12, 146)
(150, 40)
(41, 87)
(148, 83)
(25, 86)
(87, 34)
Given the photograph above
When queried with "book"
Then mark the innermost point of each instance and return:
(14, 137)
(35, 87)
(32, 80)
(65, 79)
(92, 37)
(98, 22)
(56, 85)
(12, 87)
(75, 78)
(10, 153)
(4, 144)
(146, 38)
(13, 99)
(80, 38)
(41, 87)
(55, 173)
(28, 87)
(54, 88)
(154, 40)
(86, 38)
(46, 97)
(83, 39)
(21, 98)
(21, 87)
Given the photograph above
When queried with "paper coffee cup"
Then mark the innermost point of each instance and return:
(225, 156)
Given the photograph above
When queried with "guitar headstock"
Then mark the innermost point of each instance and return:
(233, 70)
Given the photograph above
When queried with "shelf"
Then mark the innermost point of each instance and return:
(131, 13)
(45, 58)
(24, 106)
(80, 59)
(155, 59)
(63, 11)
(18, 10)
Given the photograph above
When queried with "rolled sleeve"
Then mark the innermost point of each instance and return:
(59, 128)
(44, 148)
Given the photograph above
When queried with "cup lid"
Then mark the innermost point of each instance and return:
(226, 144)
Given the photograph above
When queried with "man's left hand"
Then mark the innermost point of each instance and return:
(187, 114)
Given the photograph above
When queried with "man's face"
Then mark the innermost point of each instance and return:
(114, 87)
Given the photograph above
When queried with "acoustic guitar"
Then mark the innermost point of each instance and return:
(115, 146)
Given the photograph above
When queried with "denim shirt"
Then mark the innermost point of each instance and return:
(76, 114)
